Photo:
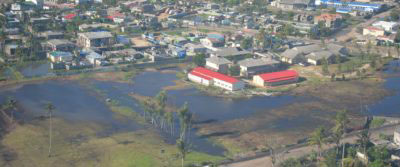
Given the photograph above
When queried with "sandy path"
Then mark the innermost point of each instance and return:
(299, 152)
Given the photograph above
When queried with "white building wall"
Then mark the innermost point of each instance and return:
(212, 65)
(257, 80)
(199, 80)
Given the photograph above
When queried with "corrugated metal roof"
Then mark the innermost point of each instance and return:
(279, 76)
(208, 73)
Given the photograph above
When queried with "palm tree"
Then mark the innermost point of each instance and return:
(318, 138)
(183, 120)
(50, 108)
(364, 140)
(170, 121)
(12, 105)
(339, 130)
(183, 149)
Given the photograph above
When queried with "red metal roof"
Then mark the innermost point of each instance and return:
(279, 76)
(70, 16)
(212, 74)
(200, 75)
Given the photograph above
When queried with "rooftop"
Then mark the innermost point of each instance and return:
(279, 76)
(59, 42)
(250, 62)
(97, 35)
(60, 54)
(218, 60)
(211, 74)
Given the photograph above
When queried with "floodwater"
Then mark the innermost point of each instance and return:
(75, 102)
(35, 70)
(72, 102)
(390, 105)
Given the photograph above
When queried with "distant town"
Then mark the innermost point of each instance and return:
(335, 52)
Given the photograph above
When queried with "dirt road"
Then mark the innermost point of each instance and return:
(299, 152)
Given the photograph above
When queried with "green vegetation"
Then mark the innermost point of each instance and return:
(377, 122)
(199, 60)
(247, 43)
(234, 70)
(76, 144)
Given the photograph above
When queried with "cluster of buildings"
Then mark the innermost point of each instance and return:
(97, 41)
(381, 32)
(341, 6)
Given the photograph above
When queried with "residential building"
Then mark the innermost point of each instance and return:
(38, 3)
(95, 39)
(316, 58)
(251, 66)
(213, 41)
(301, 54)
(48, 35)
(218, 64)
(388, 26)
(293, 4)
(123, 53)
(373, 31)
(93, 57)
(193, 49)
(211, 78)
(58, 56)
(11, 49)
(60, 45)
(276, 78)
(39, 24)
(357, 6)
(329, 20)
(231, 53)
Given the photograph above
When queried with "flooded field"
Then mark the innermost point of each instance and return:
(222, 125)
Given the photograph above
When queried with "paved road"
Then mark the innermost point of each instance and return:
(301, 151)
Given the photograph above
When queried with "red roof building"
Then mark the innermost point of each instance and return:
(276, 78)
(207, 77)
(70, 16)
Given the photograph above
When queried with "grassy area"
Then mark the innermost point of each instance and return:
(123, 112)
(377, 122)
(78, 145)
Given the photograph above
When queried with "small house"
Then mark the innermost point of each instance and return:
(218, 64)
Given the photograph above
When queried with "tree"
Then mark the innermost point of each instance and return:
(318, 138)
(364, 140)
(260, 37)
(325, 68)
(247, 43)
(330, 159)
(397, 38)
(234, 70)
(11, 104)
(199, 60)
(183, 149)
(394, 15)
(185, 119)
(341, 121)
(333, 77)
(50, 108)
